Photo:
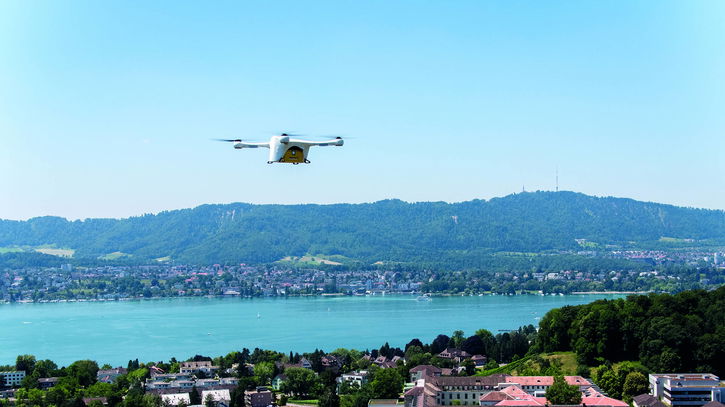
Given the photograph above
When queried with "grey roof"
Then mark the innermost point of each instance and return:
(648, 400)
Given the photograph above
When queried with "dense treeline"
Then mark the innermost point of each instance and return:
(684, 332)
(387, 230)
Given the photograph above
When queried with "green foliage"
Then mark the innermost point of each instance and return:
(469, 366)
(457, 339)
(508, 368)
(329, 398)
(561, 393)
(300, 382)
(386, 384)
(680, 332)
(25, 363)
(264, 371)
(84, 371)
(634, 384)
(458, 234)
(195, 397)
(612, 378)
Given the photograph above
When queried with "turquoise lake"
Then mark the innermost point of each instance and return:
(114, 332)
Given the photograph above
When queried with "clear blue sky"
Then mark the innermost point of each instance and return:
(107, 107)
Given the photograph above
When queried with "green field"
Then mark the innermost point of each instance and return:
(56, 252)
(304, 402)
(114, 256)
(318, 259)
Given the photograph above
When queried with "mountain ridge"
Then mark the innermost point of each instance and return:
(384, 230)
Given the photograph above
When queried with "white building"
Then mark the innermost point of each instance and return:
(175, 398)
(686, 389)
(358, 378)
(221, 398)
(12, 378)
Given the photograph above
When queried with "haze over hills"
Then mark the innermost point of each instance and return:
(389, 230)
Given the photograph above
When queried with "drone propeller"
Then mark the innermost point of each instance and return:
(228, 140)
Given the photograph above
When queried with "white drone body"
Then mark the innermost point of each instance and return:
(284, 149)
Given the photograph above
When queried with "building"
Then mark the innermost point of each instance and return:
(514, 396)
(686, 389)
(479, 360)
(647, 400)
(537, 385)
(203, 366)
(422, 371)
(454, 354)
(220, 398)
(12, 378)
(44, 383)
(432, 391)
(174, 399)
(357, 378)
(304, 362)
(495, 390)
(109, 375)
(261, 397)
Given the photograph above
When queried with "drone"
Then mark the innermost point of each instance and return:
(285, 148)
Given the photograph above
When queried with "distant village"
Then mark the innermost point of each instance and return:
(669, 271)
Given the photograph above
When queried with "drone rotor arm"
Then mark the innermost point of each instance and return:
(250, 144)
(332, 142)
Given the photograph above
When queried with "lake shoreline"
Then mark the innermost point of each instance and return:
(323, 295)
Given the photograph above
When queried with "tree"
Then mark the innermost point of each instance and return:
(386, 384)
(25, 363)
(473, 345)
(634, 385)
(469, 366)
(457, 339)
(209, 401)
(150, 400)
(83, 370)
(411, 351)
(385, 350)
(562, 393)
(414, 342)
(488, 341)
(57, 395)
(195, 397)
(237, 396)
(45, 368)
(264, 372)
(439, 343)
(300, 381)
(329, 398)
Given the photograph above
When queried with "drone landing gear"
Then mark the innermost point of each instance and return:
(270, 162)
(307, 161)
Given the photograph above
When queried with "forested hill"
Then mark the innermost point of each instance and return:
(389, 230)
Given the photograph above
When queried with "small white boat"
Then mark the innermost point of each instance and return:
(424, 297)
